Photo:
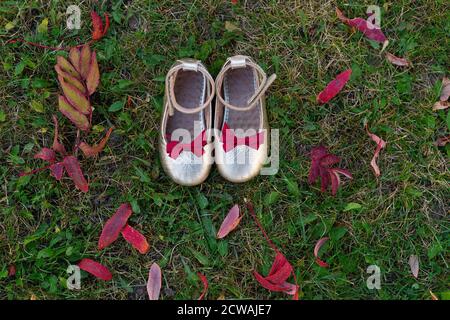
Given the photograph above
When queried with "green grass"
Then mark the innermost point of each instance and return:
(46, 225)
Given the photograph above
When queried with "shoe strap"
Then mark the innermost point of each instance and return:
(186, 65)
(242, 62)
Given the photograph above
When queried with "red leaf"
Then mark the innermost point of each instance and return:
(205, 285)
(154, 282)
(280, 271)
(97, 26)
(77, 118)
(329, 160)
(105, 30)
(269, 285)
(136, 239)
(234, 1)
(230, 222)
(96, 149)
(11, 270)
(46, 154)
(321, 162)
(316, 154)
(442, 141)
(336, 180)
(334, 87)
(114, 225)
(317, 247)
(401, 62)
(324, 178)
(370, 30)
(95, 268)
(279, 268)
(380, 145)
(73, 169)
(57, 146)
(57, 170)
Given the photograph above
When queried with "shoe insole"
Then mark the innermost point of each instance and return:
(189, 88)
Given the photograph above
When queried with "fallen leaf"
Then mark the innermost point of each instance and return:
(154, 282)
(66, 66)
(321, 166)
(46, 154)
(85, 61)
(317, 247)
(93, 74)
(276, 279)
(445, 92)
(91, 151)
(440, 105)
(74, 57)
(77, 118)
(97, 25)
(95, 268)
(336, 180)
(65, 76)
(136, 239)
(402, 62)
(57, 170)
(75, 97)
(205, 285)
(231, 27)
(74, 171)
(414, 265)
(433, 296)
(43, 26)
(334, 87)
(316, 154)
(114, 226)
(370, 30)
(230, 222)
(381, 144)
(442, 141)
(11, 270)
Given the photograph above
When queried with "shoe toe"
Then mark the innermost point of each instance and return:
(187, 169)
(240, 164)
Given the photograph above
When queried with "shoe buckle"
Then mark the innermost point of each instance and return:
(238, 62)
(190, 64)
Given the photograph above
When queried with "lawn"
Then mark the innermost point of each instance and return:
(46, 225)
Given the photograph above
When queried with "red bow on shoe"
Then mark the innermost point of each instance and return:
(231, 141)
(174, 148)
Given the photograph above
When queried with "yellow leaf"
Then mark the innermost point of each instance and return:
(98, 128)
(79, 119)
(43, 26)
(229, 26)
(75, 97)
(37, 106)
(9, 26)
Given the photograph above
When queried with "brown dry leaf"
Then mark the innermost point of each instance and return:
(402, 62)
(433, 296)
(414, 265)
(440, 105)
(442, 141)
(445, 93)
